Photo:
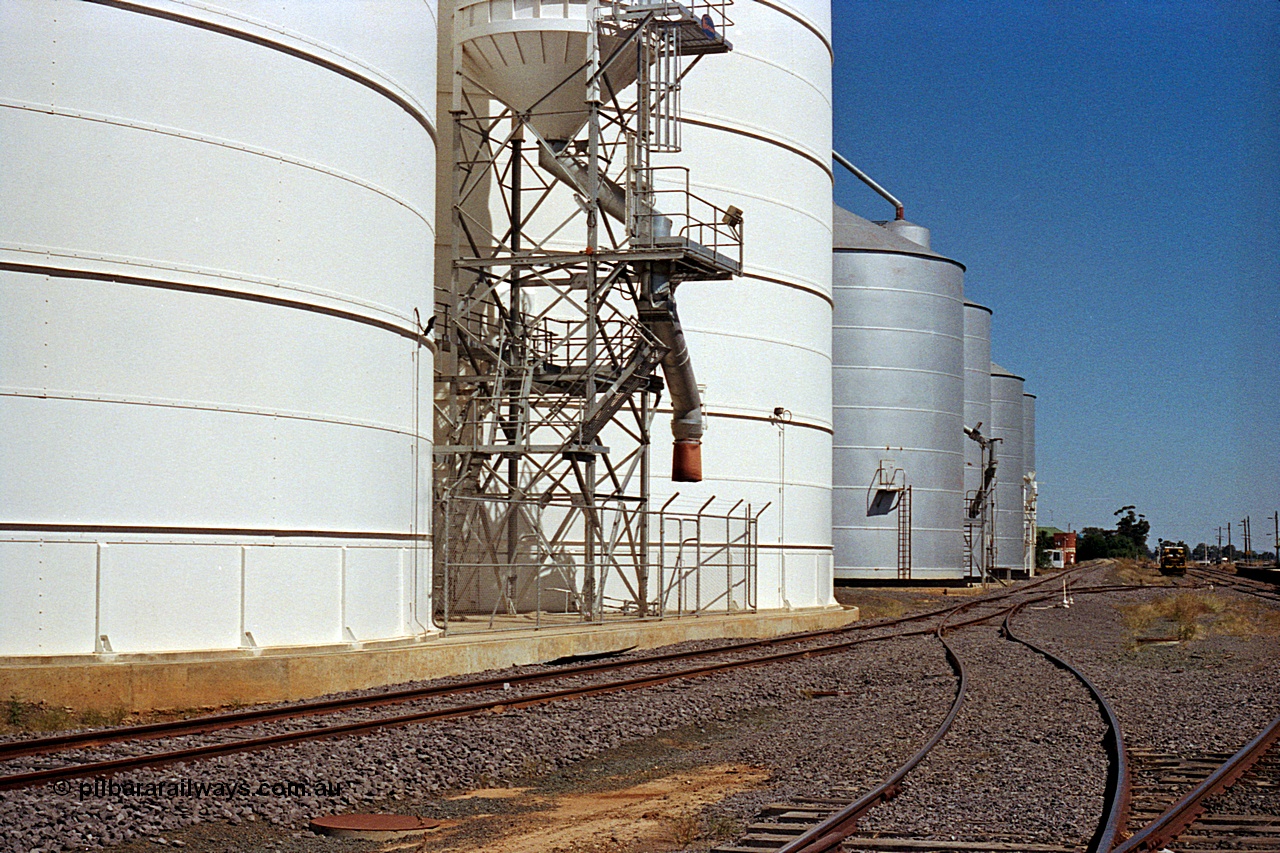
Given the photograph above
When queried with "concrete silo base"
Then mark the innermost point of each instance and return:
(202, 680)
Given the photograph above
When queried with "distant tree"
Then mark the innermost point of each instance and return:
(1200, 552)
(1133, 527)
(1093, 544)
(1127, 541)
(1044, 544)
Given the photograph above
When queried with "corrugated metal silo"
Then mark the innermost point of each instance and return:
(899, 391)
(216, 396)
(1028, 433)
(1030, 486)
(977, 407)
(756, 133)
(1006, 425)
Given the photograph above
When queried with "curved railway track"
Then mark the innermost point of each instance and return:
(822, 825)
(1260, 755)
(804, 826)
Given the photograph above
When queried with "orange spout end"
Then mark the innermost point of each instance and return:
(686, 462)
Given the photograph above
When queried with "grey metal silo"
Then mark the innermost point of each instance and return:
(1028, 434)
(1030, 487)
(977, 415)
(898, 395)
(1006, 425)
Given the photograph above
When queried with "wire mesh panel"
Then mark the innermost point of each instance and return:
(523, 563)
(707, 559)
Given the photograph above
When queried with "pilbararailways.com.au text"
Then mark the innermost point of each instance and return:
(226, 789)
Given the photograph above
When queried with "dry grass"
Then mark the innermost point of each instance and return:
(1194, 615)
(28, 717)
(1248, 619)
(1139, 572)
(873, 605)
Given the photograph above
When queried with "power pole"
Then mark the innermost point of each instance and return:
(1275, 540)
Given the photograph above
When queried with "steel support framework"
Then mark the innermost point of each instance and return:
(546, 384)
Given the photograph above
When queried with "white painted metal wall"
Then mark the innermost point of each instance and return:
(216, 249)
(977, 387)
(1030, 485)
(757, 134)
(898, 352)
(1028, 433)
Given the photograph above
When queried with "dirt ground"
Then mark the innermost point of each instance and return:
(892, 602)
(655, 815)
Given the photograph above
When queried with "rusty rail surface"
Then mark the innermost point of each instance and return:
(830, 833)
(1116, 800)
(1183, 813)
(1255, 587)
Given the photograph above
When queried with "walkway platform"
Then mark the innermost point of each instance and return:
(180, 681)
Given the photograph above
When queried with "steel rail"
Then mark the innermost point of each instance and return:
(1249, 586)
(1183, 813)
(832, 832)
(112, 766)
(236, 719)
(1117, 796)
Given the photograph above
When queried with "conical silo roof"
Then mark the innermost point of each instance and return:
(852, 233)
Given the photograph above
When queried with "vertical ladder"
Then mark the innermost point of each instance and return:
(904, 535)
(662, 92)
(968, 549)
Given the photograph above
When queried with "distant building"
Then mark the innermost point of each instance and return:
(1066, 543)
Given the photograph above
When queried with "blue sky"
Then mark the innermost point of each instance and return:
(1109, 172)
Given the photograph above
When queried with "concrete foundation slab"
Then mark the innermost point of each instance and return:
(202, 680)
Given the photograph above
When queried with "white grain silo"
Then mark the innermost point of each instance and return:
(756, 132)
(215, 262)
(898, 376)
(977, 416)
(1006, 425)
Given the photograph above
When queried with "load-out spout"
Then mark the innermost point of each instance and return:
(657, 312)
(660, 317)
(988, 446)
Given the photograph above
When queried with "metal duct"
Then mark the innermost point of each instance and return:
(661, 318)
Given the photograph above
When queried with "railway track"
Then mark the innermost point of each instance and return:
(817, 825)
(1188, 820)
(823, 642)
(778, 825)
(1249, 586)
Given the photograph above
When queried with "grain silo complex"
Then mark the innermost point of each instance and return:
(761, 343)
(1030, 488)
(332, 339)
